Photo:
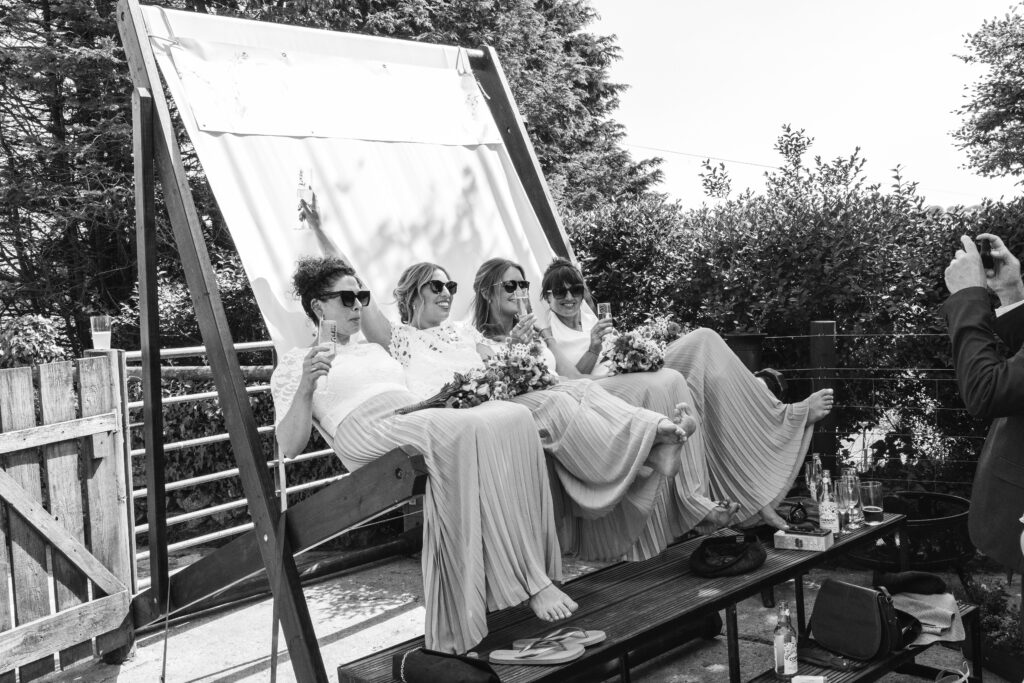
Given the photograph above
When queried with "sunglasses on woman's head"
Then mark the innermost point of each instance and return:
(436, 286)
(348, 297)
(575, 291)
(511, 285)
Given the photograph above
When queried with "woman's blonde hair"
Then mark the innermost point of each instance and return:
(409, 284)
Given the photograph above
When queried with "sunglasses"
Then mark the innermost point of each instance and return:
(348, 297)
(436, 286)
(576, 291)
(511, 285)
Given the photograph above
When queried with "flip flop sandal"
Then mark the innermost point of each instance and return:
(569, 635)
(540, 652)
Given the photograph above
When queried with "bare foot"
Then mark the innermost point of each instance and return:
(719, 517)
(669, 432)
(551, 604)
(819, 404)
(772, 518)
(685, 418)
(664, 461)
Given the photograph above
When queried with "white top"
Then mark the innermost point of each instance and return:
(575, 343)
(431, 357)
(359, 372)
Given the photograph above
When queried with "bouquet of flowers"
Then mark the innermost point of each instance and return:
(641, 349)
(514, 369)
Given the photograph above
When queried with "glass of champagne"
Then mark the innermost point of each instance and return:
(852, 484)
(871, 502)
(100, 327)
(604, 311)
(327, 335)
(523, 306)
(843, 506)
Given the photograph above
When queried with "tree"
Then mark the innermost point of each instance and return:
(993, 130)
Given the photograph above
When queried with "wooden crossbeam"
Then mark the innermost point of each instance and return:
(63, 629)
(35, 514)
(34, 437)
(379, 486)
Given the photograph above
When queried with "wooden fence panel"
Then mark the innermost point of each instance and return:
(80, 526)
(58, 404)
(99, 392)
(28, 548)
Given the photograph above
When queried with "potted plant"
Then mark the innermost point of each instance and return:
(1002, 637)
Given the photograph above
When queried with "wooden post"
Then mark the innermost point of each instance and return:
(149, 337)
(491, 78)
(823, 360)
(276, 553)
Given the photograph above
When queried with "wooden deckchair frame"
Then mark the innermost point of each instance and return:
(276, 535)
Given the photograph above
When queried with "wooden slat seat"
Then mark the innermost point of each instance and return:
(639, 605)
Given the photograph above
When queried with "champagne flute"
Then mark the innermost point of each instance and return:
(843, 505)
(852, 481)
(604, 311)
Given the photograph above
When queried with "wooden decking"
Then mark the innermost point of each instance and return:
(642, 606)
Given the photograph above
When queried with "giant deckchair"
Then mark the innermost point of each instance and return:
(412, 152)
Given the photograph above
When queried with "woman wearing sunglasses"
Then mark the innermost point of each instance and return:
(752, 443)
(611, 459)
(495, 313)
(489, 539)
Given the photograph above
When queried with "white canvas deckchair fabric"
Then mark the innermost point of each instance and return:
(405, 160)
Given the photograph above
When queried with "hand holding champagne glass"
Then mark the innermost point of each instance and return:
(604, 311)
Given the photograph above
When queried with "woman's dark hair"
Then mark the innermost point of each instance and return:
(560, 274)
(314, 274)
(409, 284)
(490, 273)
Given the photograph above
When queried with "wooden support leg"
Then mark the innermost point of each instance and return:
(624, 668)
(973, 627)
(798, 589)
(901, 544)
(768, 596)
(733, 638)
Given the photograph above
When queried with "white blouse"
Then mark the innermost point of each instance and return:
(574, 343)
(358, 372)
(431, 357)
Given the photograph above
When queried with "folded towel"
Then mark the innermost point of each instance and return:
(938, 614)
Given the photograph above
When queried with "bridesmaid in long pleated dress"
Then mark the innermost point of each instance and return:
(750, 445)
(489, 540)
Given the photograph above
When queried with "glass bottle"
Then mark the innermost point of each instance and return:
(785, 644)
(828, 509)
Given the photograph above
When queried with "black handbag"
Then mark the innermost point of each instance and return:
(727, 556)
(430, 666)
(859, 622)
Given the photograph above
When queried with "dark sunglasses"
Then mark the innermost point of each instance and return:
(436, 286)
(348, 297)
(511, 285)
(575, 291)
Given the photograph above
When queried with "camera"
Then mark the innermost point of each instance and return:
(985, 250)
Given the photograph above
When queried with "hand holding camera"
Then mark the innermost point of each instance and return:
(1003, 277)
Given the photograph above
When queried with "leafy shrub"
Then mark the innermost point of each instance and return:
(30, 340)
(1000, 616)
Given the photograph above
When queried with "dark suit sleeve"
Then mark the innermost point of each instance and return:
(1010, 328)
(990, 385)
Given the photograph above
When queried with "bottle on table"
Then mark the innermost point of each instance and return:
(828, 507)
(785, 644)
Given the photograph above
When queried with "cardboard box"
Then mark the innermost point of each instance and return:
(819, 539)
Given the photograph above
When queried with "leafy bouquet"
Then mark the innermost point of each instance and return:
(513, 369)
(641, 349)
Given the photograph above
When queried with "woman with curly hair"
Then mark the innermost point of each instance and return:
(489, 538)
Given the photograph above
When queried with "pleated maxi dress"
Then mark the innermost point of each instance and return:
(751, 444)
(489, 537)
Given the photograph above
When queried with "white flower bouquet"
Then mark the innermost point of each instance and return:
(514, 369)
(641, 349)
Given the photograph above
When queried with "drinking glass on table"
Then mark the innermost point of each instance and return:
(854, 514)
(843, 505)
(100, 326)
(871, 502)
(604, 311)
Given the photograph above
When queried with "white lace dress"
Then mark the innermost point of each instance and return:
(489, 537)
(599, 445)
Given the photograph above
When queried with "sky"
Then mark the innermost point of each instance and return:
(719, 78)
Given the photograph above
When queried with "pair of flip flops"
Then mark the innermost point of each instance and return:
(558, 647)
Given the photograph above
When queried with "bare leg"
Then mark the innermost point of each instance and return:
(551, 604)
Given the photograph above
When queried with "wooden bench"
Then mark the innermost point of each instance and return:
(645, 608)
(902, 661)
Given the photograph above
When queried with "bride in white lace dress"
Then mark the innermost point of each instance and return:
(489, 537)
(612, 459)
